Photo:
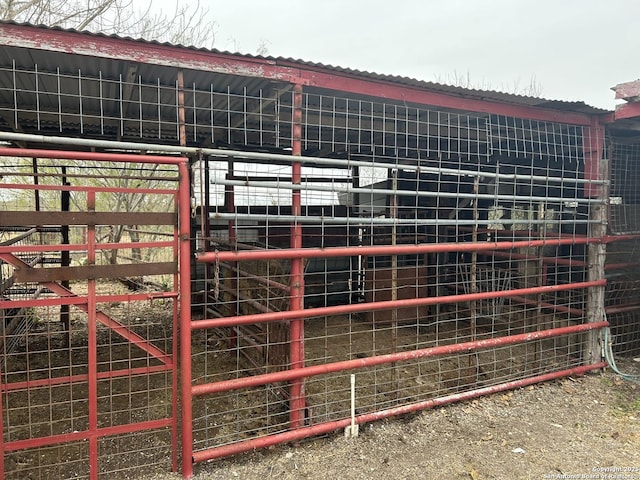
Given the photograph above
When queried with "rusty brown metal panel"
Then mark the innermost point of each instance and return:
(9, 218)
(112, 47)
(410, 283)
(627, 110)
(94, 272)
(629, 91)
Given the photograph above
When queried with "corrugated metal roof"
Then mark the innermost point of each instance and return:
(488, 95)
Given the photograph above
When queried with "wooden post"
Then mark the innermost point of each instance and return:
(594, 144)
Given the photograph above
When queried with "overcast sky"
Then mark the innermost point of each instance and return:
(572, 49)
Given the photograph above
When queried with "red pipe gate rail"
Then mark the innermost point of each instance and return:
(89, 369)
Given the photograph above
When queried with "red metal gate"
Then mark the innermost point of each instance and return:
(454, 281)
(89, 299)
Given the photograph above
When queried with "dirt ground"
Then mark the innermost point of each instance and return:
(585, 427)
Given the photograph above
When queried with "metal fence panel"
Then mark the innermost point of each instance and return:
(89, 314)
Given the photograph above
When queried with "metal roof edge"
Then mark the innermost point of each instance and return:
(281, 68)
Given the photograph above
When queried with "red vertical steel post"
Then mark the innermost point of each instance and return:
(184, 230)
(296, 326)
(92, 340)
(184, 298)
(176, 329)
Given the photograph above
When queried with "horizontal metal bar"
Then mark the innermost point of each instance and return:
(92, 272)
(121, 245)
(568, 262)
(441, 350)
(257, 278)
(408, 165)
(82, 247)
(384, 305)
(74, 188)
(548, 306)
(15, 229)
(149, 179)
(274, 158)
(82, 300)
(621, 238)
(368, 221)
(620, 266)
(83, 435)
(87, 218)
(628, 307)
(20, 249)
(328, 427)
(287, 254)
(149, 232)
(333, 188)
(43, 302)
(71, 379)
(278, 178)
(79, 155)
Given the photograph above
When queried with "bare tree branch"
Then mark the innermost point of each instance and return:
(465, 80)
(187, 23)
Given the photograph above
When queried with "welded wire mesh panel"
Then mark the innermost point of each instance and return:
(622, 298)
(133, 383)
(425, 233)
(218, 110)
(340, 124)
(89, 261)
(16, 321)
(153, 452)
(625, 202)
(70, 460)
(57, 101)
(409, 381)
(46, 409)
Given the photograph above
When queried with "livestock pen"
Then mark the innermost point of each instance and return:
(204, 253)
